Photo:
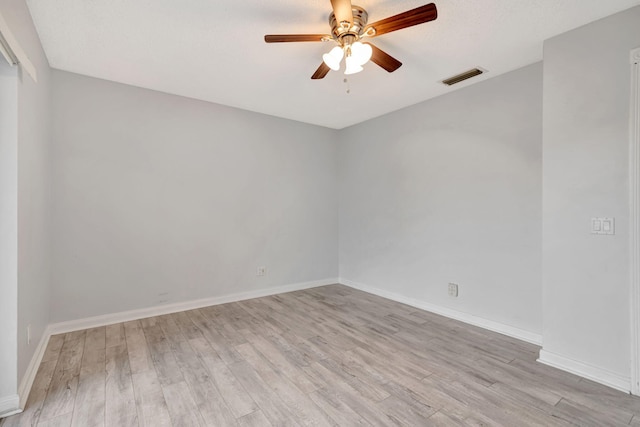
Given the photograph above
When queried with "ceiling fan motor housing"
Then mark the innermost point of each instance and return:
(339, 30)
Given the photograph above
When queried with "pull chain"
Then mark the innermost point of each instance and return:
(347, 83)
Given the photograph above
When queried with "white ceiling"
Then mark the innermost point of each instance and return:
(213, 50)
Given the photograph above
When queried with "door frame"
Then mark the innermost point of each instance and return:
(634, 219)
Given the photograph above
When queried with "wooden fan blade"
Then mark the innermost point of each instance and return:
(322, 71)
(283, 38)
(412, 17)
(342, 10)
(384, 60)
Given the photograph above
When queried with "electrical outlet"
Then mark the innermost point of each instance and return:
(29, 335)
(261, 271)
(163, 298)
(453, 289)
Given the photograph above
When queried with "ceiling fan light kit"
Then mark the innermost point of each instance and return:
(356, 55)
(348, 27)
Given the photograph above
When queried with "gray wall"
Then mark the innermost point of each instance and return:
(586, 125)
(161, 199)
(33, 186)
(449, 190)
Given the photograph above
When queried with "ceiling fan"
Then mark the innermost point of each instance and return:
(348, 27)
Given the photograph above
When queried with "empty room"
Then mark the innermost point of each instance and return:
(322, 212)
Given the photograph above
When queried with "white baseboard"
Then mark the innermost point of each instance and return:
(125, 316)
(501, 328)
(9, 405)
(14, 404)
(32, 369)
(581, 369)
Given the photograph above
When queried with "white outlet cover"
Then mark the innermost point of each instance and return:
(453, 289)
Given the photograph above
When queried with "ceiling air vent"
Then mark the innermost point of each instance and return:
(463, 76)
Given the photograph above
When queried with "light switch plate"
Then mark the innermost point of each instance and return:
(603, 226)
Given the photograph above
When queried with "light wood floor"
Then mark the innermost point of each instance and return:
(324, 356)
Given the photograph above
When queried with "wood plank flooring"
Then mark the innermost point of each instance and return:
(328, 356)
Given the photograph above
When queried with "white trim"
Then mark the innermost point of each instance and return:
(16, 50)
(634, 219)
(125, 316)
(9, 405)
(6, 51)
(491, 325)
(593, 373)
(30, 375)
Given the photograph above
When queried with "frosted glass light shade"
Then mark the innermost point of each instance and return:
(361, 53)
(333, 58)
(352, 65)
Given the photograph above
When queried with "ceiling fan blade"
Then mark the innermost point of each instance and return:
(283, 38)
(342, 10)
(322, 71)
(384, 60)
(412, 17)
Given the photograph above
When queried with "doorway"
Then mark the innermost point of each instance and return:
(9, 401)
